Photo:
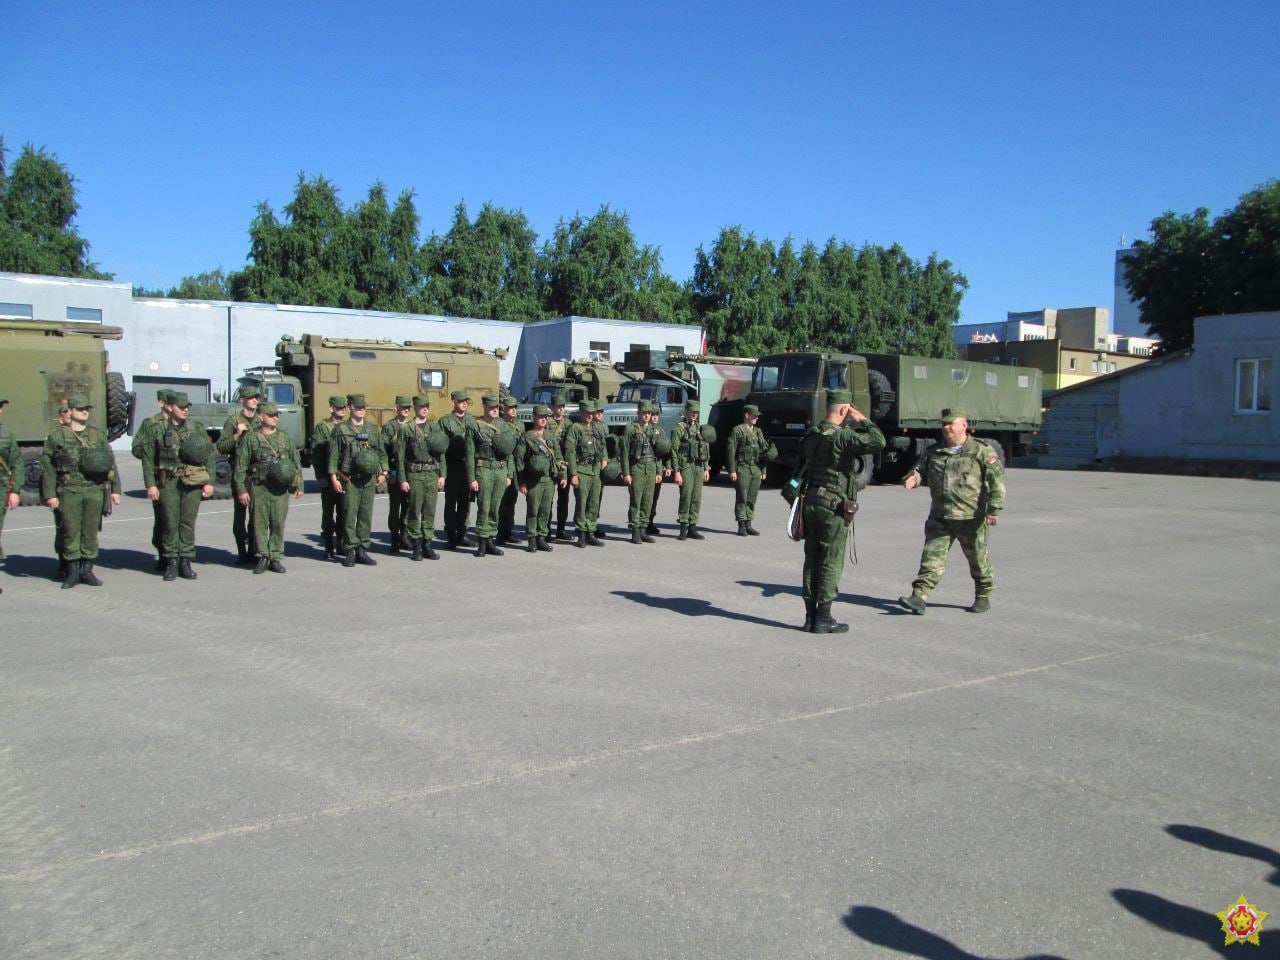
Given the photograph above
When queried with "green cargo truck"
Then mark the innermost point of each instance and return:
(575, 380)
(902, 395)
(42, 362)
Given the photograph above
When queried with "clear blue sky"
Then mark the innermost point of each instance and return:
(1018, 140)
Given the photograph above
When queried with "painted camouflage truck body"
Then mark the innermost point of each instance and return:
(576, 380)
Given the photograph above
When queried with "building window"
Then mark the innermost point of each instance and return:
(87, 314)
(599, 350)
(1111, 367)
(639, 346)
(1253, 385)
(18, 311)
(1073, 363)
(1093, 366)
(671, 349)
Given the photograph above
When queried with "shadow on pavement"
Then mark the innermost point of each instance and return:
(1224, 843)
(768, 590)
(1194, 924)
(695, 607)
(885, 929)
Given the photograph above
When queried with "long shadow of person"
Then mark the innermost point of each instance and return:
(693, 607)
(1189, 922)
(886, 929)
(769, 590)
(1224, 843)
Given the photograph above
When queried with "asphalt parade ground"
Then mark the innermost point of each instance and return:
(633, 751)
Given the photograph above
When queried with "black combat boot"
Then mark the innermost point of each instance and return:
(170, 571)
(752, 531)
(184, 569)
(582, 538)
(482, 548)
(395, 543)
(429, 551)
(593, 539)
(494, 549)
(635, 535)
(260, 566)
(350, 559)
(72, 576)
(465, 541)
(242, 552)
(694, 534)
(87, 576)
(560, 534)
(742, 528)
(62, 569)
(810, 611)
(652, 530)
(514, 538)
(823, 622)
(532, 545)
(275, 566)
(684, 532)
(417, 550)
(330, 548)
(543, 545)
(645, 538)
(362, 556)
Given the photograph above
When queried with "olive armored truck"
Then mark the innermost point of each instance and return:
(902, 395)
(719, 385)
(575, 380)
(42, 363)
(312, 368)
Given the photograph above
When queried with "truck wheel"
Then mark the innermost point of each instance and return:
(882, 395)
(29, 492)
(118, 404)
(862, 467)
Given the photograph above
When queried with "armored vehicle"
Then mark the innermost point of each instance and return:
(42, 362)
(576, 380)
(902, 395)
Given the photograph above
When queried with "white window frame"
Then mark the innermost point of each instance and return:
(1250, 372)
(598, 350)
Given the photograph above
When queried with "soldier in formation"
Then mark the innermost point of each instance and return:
(357, 464)
(421, 450)
(507, 510)
(11, 471)
(691, 458)
(827, 468)
(78, 479)
(177, 469)
(397, 506)
(459, 425)
(330, 499)
(557, 426)
(641, 468)
(237, 425)
(539, 473)
(267, 469)
(141, 440)
(966, 485)
(490, 473)
(587, 456)
(745, 456)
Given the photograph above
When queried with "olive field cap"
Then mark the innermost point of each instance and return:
(356, 400)
(180, 400)
(248, 393)
(691, 405)
(490, 400)
(458, 396)
(838, 396)
(541, 410)
(752, 409)
(420, 401)
(509, 402)
(79, 402)
(63, 408)
(402, 401)
(954, 413)
(587, 406)
(163, 396)
(558, 400)
(269, 410)
(337, 400)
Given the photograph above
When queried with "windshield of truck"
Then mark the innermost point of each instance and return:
(631, 392)
(786, 373)
(837, 376)
(282, 394)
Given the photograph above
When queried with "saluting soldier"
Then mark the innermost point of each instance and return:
(78, 474)
(421, 451)
(398, 506)
(691, 458)
(539, 472)
(459, 425)
(557, 427)
(641, 471)
(586, 457)
(828, 455)
(11, 471)
(177, 469)
(330, 499)
(507, 510)
(966, 482)
(357, 464)
(267, 468)
(228, 442)
(744, 451)
(141, 439)
(491, 473)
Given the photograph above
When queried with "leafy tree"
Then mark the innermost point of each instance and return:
(210, 285)
(486, 268)
(1248, 252)
(37, 208)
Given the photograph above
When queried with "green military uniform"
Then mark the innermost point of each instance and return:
(491, 471)
(642, 465)
(330, 499)
(79, 469)
(534, 452)
(422, 471)
(228, 443)
(691, 458)
(585, 453)
(830, 485)
(507, 509)
(966, 484)
(397, 500)
(556, 431)
(180, 486)
(457, 485)
(357, 456)
(744, 450)
(267, 468)
(141, 440)
(11, 470)
(602, 434)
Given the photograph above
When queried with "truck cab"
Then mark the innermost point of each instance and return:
(791, 391)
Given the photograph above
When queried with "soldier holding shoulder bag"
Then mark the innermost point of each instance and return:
(177, 468)
(267, 468)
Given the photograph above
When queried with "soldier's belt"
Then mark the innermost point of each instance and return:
(824, 497)
(644, 459)
(423, 467)
(490, 462)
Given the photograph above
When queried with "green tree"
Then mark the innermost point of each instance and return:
(210, 285)
(487, 268)
(38, 208)
(1248, 251)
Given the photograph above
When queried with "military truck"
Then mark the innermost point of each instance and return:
(902, 395)
(576, 380)
(718, 384)
(42, 362)
(312, 368)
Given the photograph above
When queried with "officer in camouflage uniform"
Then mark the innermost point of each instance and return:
(691, 458)
(78, 473)
(357, 464)
(557, 426)
(586, 456)
(228, 442)
(641, 470)
(491, 474)
(141, 439)
(330, 499)
(178, 462)
(460, 426)
(828, 473)
(744, 450)
(267, 467)
(507, 510)
(11, 471)
(425, 474)
(966, 481)
(398, 506)
(539, 472)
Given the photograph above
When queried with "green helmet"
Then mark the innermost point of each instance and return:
(96, 463)
(612, 472)
(662, 444)
(437, 442)
(504, 442)
(708, 432)
(538, 466)
(280, 473)
(365, 462)
(195, 449)
(768, 456)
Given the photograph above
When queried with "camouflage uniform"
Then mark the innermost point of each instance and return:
(397, 500)
(584, 454)
(228, 443)
(422, 471)
(457, 491)
(140, 441)
(330, 499)
(507, 509)
(80, 498)
(359, 487)
(268, 495)
(691, 457)
(556, 431)
(492, 472)
(540, 489)
(743, 450)
(181, 489)
(641, 463)
(967, 486)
